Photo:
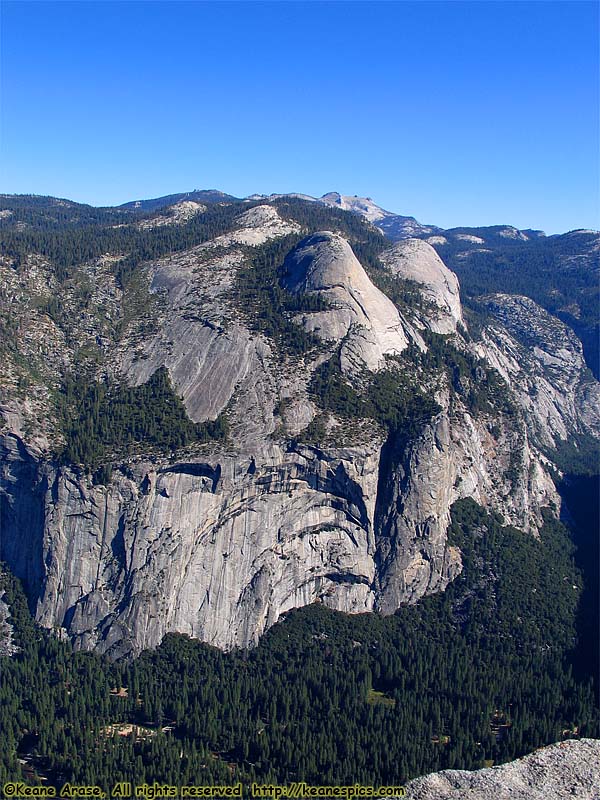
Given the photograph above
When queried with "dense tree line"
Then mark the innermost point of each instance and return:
(269, 308)
(258, 290)
(481, 387)
(70, 234)
(45, 213)
(68, 245)
(490, 669)
(387, 396)
(102, 420)
(480, 673)
(366, 240)
(581, 495)
(393, 396)
(577, 455)
(548, 270)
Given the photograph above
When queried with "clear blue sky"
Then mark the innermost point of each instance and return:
(457, 113)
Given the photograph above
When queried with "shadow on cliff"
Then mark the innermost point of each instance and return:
(581, 496)
(392, 480)
(23, 490)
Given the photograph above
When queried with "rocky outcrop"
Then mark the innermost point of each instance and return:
(220, 547)
(455, 456)
(361, 317)
(542, 361)
(216, 549)
(394, 226)
(416, 260)
(23, 492)
(219, 541)
(209, 353)
(7, 645)
(358, 205)
(565, 771)
(177, 214)
(256, 226)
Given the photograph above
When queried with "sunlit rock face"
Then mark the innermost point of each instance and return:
(563, 770)
(220, 541)
(361, 316)
(416, 260)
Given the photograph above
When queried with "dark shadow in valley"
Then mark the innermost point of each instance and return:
(581, 495)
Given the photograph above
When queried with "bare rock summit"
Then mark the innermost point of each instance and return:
(416, 260)
(361, 316)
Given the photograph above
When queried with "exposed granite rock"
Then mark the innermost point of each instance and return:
(566, 771)
(394, 226)
(176, 214)
(256, 226)
(358, 205)
(415, 260)
(361, 316)
(542, 361)
(22, 502)
(209, 353)
(7, 646)
(455, 456)
(218, 550)
(220, 547)
(219, 543)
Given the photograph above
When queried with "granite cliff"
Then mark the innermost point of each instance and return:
(219, 539)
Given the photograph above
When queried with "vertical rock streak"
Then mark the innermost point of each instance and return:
(219, 547)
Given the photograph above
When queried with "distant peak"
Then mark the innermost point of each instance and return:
(199, 195)
(358, 205)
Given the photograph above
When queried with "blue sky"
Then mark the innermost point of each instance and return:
(458, 113)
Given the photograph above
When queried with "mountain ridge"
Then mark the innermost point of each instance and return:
(561, 272)
(351, 407)
(364, 206)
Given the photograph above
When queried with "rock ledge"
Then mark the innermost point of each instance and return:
(569, 769)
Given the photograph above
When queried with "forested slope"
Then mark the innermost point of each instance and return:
(479, 675)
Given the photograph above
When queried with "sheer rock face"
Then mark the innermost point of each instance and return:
(221, 543)
(209, 353)
(542, 361)
(455, 456)
(218, 550)
(564, 771)
(361, 316)
(415, 260)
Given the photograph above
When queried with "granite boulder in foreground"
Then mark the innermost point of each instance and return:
(569, 769)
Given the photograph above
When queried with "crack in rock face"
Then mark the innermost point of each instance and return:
(219, 541)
